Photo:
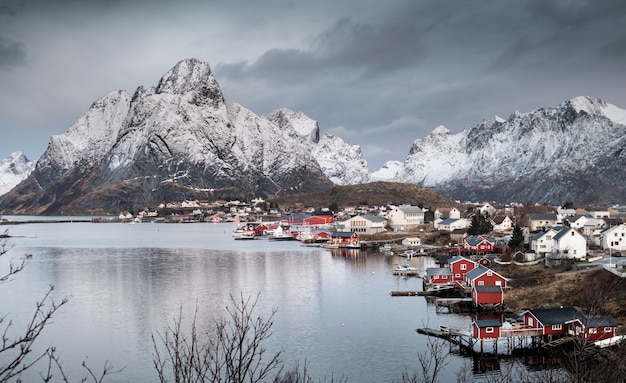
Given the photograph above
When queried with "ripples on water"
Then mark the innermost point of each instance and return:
(126, 282)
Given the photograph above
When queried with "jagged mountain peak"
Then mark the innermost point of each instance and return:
(13, 169)
(195, 78)
(596, 107)
(297, 124)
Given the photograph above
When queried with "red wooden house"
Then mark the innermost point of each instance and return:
(551, 321)
(344, 239)
(486, 328)
(479, 244)
(319, 220)
(482, 276)
(592, 329)
(487, 295)
(320, 235)
(460, 266)
(438, 275)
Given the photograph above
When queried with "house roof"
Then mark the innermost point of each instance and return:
(482, 323)
(432, 271)
(475, 240)
(563, 232)
(499, 219)
(542, 217)
(613, 228)
(488, 289)
(480, 270)
(371, 218)
(448, 221)
(556, 315)
(458, 258)
(342, 234)
(410, 209)
(476, 272)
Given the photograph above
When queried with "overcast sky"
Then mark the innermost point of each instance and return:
(379, 74)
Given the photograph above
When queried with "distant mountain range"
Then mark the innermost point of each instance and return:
(181, 140)
(574, 152)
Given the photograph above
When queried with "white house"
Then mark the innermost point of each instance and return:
(405, 217)
(502, 223)
(586, 224)
(412, 242)
(614, 238)
(487, 208)
(364, 224)
(562, 214)
(451, 224)
(541, 243)
(600, 214)
(568, 243)
(539, 221)
(447, 212)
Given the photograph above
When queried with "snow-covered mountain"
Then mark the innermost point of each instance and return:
(179, 140)
(574, 152)
(13, 169)
(343, 164)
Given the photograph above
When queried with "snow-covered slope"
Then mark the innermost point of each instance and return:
(343, 164)
(13, 170)
(573, 152)
(388, 172)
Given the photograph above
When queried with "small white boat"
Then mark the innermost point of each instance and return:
(280, 234)
(245, 232)
(404, 268)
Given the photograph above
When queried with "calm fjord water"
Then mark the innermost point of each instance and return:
(127, 282)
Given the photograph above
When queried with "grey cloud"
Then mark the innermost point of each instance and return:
(347, 47)
(12, 53)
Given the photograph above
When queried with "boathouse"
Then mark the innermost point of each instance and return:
(486, 328)
(438, 275)
(487, 295)
(344, 239)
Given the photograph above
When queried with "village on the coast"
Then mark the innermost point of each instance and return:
(466, 274)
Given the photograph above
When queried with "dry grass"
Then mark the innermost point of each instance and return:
(597, 292)
(371, 194)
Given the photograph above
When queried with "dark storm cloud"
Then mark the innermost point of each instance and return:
(347, 47)
(12, 53)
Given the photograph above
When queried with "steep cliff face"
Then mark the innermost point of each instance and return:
(177, 140)
(573, 152)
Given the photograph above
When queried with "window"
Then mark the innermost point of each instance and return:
(557, 327)
(489, 329)
(489, 273)
(593, 330)
(463, 267)
(530, 321)
(481, 283)
(498, 283)
(608, 329)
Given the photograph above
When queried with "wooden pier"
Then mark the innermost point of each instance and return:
(411, 293)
